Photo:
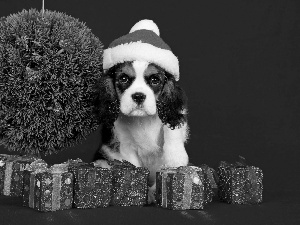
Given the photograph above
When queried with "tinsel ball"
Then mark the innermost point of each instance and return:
(49, 64)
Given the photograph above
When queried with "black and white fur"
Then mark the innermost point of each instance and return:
(143, 112)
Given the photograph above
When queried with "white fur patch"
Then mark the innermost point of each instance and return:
(127, 105)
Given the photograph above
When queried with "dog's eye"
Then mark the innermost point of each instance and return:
(154, 79)
(124, 78)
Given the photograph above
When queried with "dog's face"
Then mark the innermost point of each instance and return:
(138, 85)
(139, 89)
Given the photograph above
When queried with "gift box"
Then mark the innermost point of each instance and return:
(209, 182)
(11, 173)
(240, 183)
(48, 189)
(183, 188)
(129, 184)
(92, 185)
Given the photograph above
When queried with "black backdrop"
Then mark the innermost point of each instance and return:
(240, 68)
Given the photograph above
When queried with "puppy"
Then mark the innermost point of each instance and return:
(144, 115)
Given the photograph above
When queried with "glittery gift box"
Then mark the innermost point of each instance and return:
(92, 185)
(186, 187)
(129, 184)
(239, 183)
(11, 174)
(209, 182)
(48, 189)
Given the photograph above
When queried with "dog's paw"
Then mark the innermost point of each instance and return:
(176, 158)
(151, 195)
(102, 163)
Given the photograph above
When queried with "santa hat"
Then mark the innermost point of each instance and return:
(142, 43)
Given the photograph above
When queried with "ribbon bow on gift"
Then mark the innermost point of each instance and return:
(58, 168)
(37, 166)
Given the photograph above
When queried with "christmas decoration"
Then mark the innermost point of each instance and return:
(180, 188)
(48, 189)
(129, 184)
(145, 44)
(92, 185)
(209, 182)
(240, 183)
(11, 173)
(49, 64)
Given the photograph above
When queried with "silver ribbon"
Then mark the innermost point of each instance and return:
(164, 174)
(56, 171)
(7, 179)
(164, 189)
(56, 191)
(187, 195)
(31, 190)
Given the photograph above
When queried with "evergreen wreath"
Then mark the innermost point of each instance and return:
(49, 64)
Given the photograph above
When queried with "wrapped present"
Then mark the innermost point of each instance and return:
(92, 185)
(48, 189)
(129, 184)
(11, 173)
(209, 182)
(182, 188)
(240, 183)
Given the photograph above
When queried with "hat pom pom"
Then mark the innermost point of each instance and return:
(145, 25)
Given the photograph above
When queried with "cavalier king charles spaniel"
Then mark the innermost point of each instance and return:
(143, 111)
(141, 106)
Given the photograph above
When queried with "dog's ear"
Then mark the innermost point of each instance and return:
(172, 103)
(106, 101)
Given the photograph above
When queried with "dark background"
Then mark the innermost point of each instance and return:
(240, 68)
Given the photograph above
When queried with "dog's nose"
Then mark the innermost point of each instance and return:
(138, 97)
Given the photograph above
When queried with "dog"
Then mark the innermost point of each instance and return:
(140, 104)
(144, 115)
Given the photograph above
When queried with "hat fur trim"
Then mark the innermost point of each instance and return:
(143, 52)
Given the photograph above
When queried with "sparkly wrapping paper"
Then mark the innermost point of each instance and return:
(92, 185)
(48, 189)
(209, 183)
(182, 188)
(129, 184)
(11, 174)
(239, 183)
